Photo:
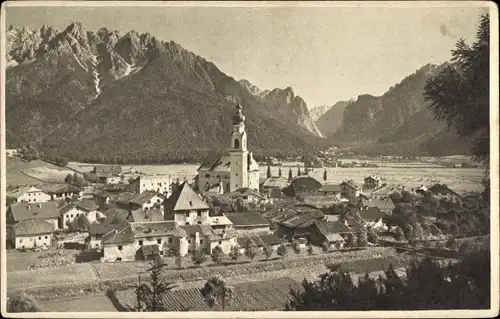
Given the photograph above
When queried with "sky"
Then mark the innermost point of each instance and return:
(326, 54)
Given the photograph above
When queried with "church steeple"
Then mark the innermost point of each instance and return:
(238, 152)
(239, 135)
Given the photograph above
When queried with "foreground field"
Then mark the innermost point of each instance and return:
(97, 302)
(19, 172)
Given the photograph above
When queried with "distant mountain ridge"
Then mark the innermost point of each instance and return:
(102, 96)
(330, 120)
(287, 104)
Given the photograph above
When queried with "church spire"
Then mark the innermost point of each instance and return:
(238, 118)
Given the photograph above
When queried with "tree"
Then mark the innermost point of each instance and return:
(452, 244)
(251, 251)
(325, 177)
(235, 252)
(217, 254)
(217, 291)
(151, 297)
(68, 179)
(349, 240)
(268, 251)
(362, 239)
(298, 172)
(325, 246)
(198, 257)
(459, 94)
(81, 223)
(306, 171)
(21, 302)
(279, 172)
(178, 260)
(282, 250)
(310, 249)
(269, 171)
(372, 236)
(399, 235)
(290, 175)
(296, 246)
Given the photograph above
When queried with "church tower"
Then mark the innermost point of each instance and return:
(238, 152)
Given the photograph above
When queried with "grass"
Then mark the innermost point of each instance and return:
(19, 261)
(76, 273)
(36, 172)
(87, 303)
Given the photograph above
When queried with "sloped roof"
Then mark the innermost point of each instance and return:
(103, 228)
(225, 233)
(244, 241)
(441, 188)
(330, 188)
(270, 239)
(145, 196)
(125, 197)
(124, 235)
(320, 201)
(371, 213)
(350, 183)
(59, 188)
(373, 177)
(203, 230)
(305, 184)
(23, 190)
(242, 219)
(145, 216)
(383, 204)
(185, 198)
(27, 211)
(327, 228)
(87, 204)
(245, 191)
(33, 227)
(297, 221)
(163, 228)
(275, 182)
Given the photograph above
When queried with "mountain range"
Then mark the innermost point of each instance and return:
(109, 97)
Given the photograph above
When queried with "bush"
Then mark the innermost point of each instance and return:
(235, 252)
(217, 254)
(21, 302)
(282, 250)
(198, 257)
(325, 246)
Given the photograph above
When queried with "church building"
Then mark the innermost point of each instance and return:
(236, 168)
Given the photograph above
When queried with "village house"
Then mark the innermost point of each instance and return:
(441, 191)
(147, 200)
(385, 205)
(61, 191)
(320, 201)
(330, 232)
(234, 169)
(349, 189)
(123, 200)
(305, 185)
(73, 210)
(272, 187)
(330, 190)
(103, 198)
(185, 207)
(295, 227)
(246, 194)
(145, 215)
(372, 182)
(372, 217)
(28, 194)
(385, 191)
(248, 222)
(108, 174)
(153, 183)
(12, 152)
(205, 238)
(97, 231)
(127, 244)
(33, 211)
(259, 241)
(33, 233)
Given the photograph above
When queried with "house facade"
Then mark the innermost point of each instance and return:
(372, 182)
(185, 207)
(349, 189)
(330, 190)
(441, 191)
(249, 222)
(33, 233)
(28, 194)
(305, 185)
(62, 191)
(147, 200)
(153, 183)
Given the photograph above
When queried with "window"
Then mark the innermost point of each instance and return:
(20, 240)
(97, 245)
(140, 242)
(201, 241)
(199, 214)
(119, 259)
(161, 252)
(220, 242)
(236, 143)
(236, 173)
(207, 175)
(236, 184)
(120, 247)
(39, 237)
(71, 216)
(189, 241)
(170, 240)
(158, 200)
(158, 241)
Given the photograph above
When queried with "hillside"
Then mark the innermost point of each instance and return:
(329, 122)
(397, 123)
(102, 96)
(285, 103)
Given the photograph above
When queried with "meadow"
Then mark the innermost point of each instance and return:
(459, 179)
